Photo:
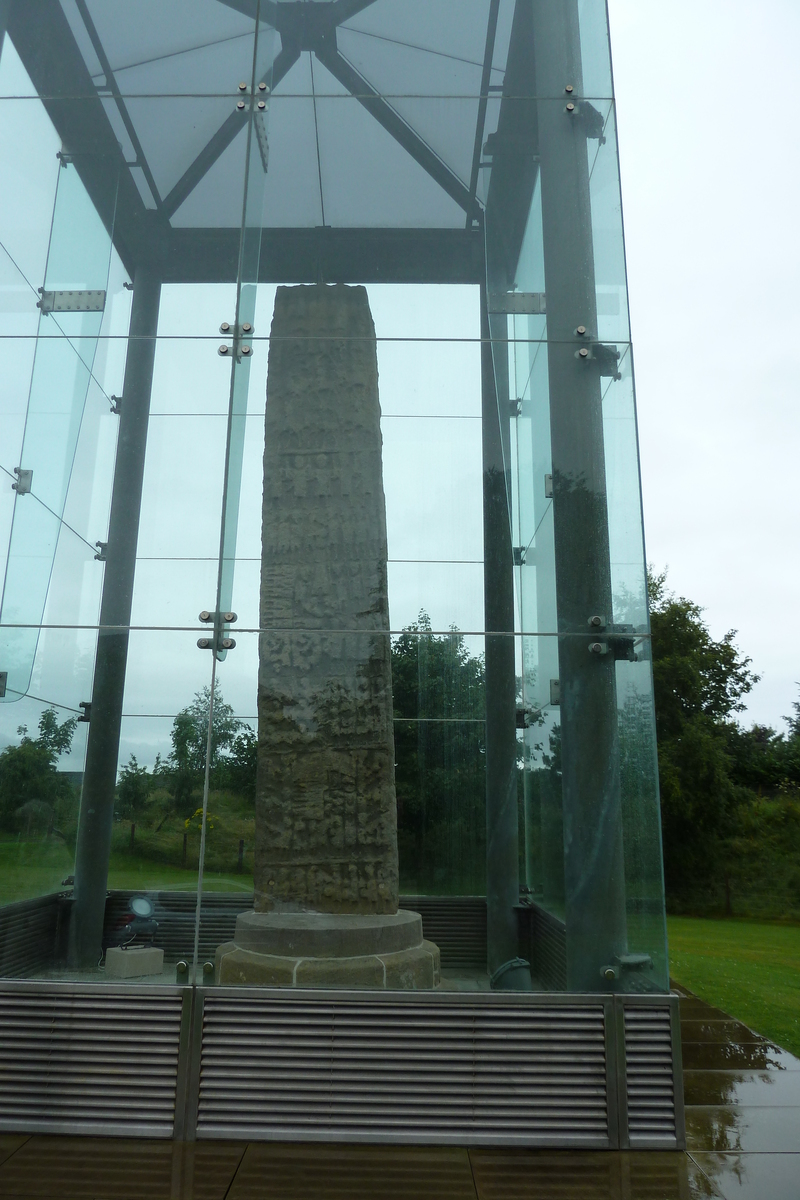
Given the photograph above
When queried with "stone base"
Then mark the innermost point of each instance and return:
(322, 950)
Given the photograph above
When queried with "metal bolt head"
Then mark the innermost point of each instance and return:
(596, 621)
(569, 88)
(229, 617)
(228, 644)
(262, 87)
(181, 967)
(242, 87)
(225, 327)
(596, 648)
(609, 973)
(247, 327)
(581, 330)
(205, 615)
(570, 107)
(247, 350)
(262, 104)
(241, 105)
(584, 353)
(223, 350)
(203, 643)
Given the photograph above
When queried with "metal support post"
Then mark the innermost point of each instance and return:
(593, 852)
(502, 822)
(100, 775)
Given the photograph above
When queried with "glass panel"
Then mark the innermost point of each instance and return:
(76, 276)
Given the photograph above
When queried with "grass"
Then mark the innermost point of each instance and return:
(36, 867)
(751, 969)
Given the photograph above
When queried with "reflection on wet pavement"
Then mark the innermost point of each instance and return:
(742, 1098)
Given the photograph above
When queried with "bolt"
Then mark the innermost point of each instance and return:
(241, 105)
(581, 330)
(205, 615)
(228, 644)
(228, 617)
(570, 107)
(262, 104)
(203, 643)
(262, 87)
(569, 88)
(596, 648)
(596, 622)
(584, 353)
(224, 350)
(225, 327)
(246, 350)
(246, 328)
(242, 87)
(609, 973)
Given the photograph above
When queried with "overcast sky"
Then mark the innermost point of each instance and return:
(709, 158)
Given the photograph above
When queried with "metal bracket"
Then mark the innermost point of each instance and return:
(592, 120)
(518, 303)
(520, 556)
(239, 349)
(555, 692)
(86, 715)
(116, 405)
(606, 358)
(548, 487)
(217, 641)
(527, 717)
(3, 683)
(515, 407)
(24, 481)
(102, 548)
(86, 301)
(619, 643)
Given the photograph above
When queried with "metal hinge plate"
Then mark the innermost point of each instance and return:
(86, 301)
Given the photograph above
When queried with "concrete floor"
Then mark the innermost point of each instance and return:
(743, 1130)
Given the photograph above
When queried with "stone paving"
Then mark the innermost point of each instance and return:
(743, 1134)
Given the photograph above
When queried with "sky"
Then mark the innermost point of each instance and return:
(710, 174)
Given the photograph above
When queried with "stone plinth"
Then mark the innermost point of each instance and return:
(326, 822)
(327, 950)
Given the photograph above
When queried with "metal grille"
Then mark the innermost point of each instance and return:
(457, 924)
(28, 934)
(463, 1069)
(548, 949)
(649, 1074)
(83, 1060)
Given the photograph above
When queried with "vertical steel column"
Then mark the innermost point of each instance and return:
(593, 858)
(100, 775)
(502, 822)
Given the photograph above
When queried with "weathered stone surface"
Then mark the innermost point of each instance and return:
(326, 825)
(415, 967)
(324, 935)
(232, 965)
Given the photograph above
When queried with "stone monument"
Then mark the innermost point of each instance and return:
(326, 873)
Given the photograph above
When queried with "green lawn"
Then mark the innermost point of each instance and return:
(33, 867)
(751, 969)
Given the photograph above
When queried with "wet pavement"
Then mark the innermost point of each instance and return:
(742, 1126)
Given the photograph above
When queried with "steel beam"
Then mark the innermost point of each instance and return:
(593, 851)
(102, 751)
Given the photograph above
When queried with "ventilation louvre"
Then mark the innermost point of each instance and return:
(89, 1060)
(470, 1070)
(649, 1075)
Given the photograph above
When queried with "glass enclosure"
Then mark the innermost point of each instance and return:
(325, 655)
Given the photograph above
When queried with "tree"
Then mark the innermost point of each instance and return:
(185, 767)
(133, 790)
(439, 732)
(29, 778)
(699, 686)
